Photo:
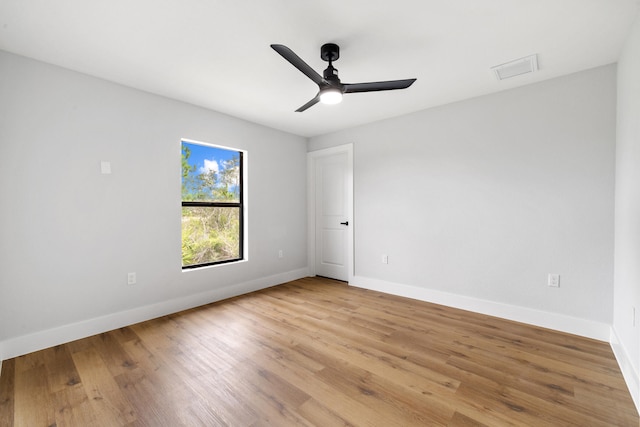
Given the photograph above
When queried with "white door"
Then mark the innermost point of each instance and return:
(333, 224)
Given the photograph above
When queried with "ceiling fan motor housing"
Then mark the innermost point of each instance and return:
(331, 75)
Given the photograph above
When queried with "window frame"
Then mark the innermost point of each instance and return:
(208, 204)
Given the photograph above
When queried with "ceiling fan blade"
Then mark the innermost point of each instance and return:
(375, 86)
(311, 103)
(297, 62)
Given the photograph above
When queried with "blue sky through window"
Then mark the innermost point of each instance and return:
(200, 184)
(206, 156)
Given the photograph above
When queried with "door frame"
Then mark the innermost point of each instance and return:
(312, 157)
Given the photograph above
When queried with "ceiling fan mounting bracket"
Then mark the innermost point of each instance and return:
(330, 52)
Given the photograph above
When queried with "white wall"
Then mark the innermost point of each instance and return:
(69, 235)
(626, 342)
(476, 202)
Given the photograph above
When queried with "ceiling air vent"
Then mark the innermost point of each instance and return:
(525, 65)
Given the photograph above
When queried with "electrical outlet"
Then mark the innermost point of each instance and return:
(385, 259)
(280, 253)
(131, 278)
(553, 280)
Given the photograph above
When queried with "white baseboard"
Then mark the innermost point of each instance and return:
(559, 322)
(18, 346)
(627, 367)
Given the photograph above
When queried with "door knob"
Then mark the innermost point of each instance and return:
(344, 223)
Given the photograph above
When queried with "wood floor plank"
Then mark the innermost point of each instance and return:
(309, 379)
(108, 345)
(104, 393)
(217, 397)
(73, 408)
(7, 392)
(364, 388)
(461, 420)
(420, 380)
(155, 387)
(270, 403)
(61, 371)
(320, 415)
(32, 398)
(317, 352)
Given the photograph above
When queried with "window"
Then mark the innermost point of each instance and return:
(212, 205)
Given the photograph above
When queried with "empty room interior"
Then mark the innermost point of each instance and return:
(455, 241)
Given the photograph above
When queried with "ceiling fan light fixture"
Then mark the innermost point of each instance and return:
(330, 96)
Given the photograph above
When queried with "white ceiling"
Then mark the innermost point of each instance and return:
(216, 54)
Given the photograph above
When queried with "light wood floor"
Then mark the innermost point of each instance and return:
(316, 352)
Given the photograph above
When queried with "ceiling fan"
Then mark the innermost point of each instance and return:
(330, 88)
